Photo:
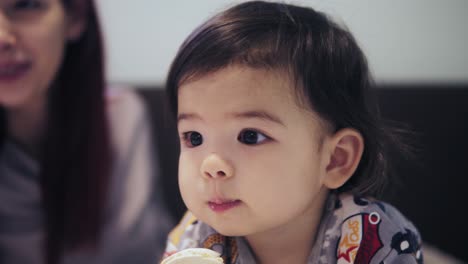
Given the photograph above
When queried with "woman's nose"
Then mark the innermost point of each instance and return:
(7, 38)
(214, 167)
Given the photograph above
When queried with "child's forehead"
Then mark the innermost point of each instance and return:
(243, 85)
(233, 90)
(239, 79)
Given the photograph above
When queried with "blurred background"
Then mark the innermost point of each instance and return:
(405, 41)
(418, 53)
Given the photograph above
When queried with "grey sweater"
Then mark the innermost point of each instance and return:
(135, 220)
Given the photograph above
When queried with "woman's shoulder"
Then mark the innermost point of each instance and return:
(123, 101)
(127, 116)
(134, 166)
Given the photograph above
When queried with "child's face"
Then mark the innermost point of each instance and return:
(251, 159)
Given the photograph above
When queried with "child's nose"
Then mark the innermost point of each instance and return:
(7, 39)
(214, 167)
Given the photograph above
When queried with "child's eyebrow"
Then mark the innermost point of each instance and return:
(185, 116)
(260, 115)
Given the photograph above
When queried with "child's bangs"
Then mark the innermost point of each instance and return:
(228, 45)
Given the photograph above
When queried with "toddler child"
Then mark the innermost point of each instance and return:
(282, 147)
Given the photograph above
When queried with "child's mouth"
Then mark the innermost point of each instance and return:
(220, 206)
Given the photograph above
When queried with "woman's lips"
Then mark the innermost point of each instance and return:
(220, 206)
(13, 71)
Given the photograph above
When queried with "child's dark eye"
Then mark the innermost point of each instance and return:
(251, 137)
(192, 139)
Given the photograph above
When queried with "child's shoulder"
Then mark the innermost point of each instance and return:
(347, 206)
(369, 228)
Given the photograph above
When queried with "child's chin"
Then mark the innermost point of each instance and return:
(229, 230)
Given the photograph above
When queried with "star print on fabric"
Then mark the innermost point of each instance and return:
(351, 231)
(348, 255)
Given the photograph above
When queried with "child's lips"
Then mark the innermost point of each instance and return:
(222, 205)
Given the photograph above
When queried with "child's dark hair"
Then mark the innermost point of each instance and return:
(323, 60)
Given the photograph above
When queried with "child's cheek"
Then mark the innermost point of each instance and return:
(189, 178)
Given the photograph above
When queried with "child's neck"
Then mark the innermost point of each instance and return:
(292, 242)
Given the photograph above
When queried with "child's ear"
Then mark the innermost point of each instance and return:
(77, 16)
(345, 147)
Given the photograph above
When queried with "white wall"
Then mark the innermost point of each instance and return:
(405, 40)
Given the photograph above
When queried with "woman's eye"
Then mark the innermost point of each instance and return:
(192, 139)
(27, 4)
(251, 137)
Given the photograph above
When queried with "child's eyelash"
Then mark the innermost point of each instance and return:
(253, 137)
(192, 138)
(247, 136)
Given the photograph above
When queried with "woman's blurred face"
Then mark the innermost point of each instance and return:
(33, 34)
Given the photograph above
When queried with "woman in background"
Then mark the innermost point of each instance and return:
(76, 166)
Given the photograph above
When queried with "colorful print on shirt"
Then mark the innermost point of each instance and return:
(352, 230)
